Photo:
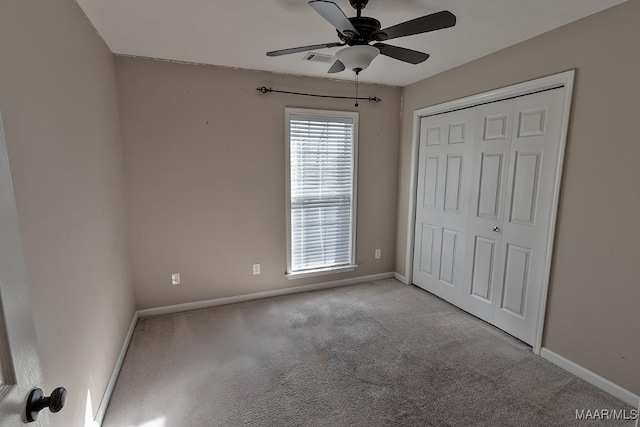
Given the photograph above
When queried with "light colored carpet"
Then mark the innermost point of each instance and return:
(375, 354)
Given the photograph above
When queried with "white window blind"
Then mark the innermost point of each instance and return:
(322, 191)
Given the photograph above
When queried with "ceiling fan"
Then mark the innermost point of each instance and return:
(359, 31)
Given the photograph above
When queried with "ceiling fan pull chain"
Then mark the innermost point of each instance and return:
(356, 89)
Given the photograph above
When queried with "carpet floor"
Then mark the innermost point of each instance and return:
(373, 354)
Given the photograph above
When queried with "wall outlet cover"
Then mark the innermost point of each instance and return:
(175, 279)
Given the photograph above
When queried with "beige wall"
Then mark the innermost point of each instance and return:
(58, 100)
(205, 167)
(593, 306)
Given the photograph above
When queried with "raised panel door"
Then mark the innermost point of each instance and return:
(442, 203)
(489, 167)
(534, 153)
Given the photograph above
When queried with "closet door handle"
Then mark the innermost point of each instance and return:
(496, 229)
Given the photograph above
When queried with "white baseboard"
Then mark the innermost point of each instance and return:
(106, 397)
(591, 377)
(400, 278)
(196, 305)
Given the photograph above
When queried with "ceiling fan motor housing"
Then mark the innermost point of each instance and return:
(368, 29)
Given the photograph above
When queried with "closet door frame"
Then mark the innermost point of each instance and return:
(564, 79)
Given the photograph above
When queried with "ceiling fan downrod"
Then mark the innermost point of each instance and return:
(358, 5)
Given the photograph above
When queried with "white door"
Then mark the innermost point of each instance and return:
(19, 364)
(442, 204)
(535, 150)
(491, 143)
(500, 234)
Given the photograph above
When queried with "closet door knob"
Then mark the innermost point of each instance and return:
(496, 229)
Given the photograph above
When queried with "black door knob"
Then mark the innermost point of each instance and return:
(37, 402)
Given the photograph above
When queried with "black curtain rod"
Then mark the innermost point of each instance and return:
(264, 89)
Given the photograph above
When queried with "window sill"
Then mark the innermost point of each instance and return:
(320, 272)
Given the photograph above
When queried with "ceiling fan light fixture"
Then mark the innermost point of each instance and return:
(357, 58)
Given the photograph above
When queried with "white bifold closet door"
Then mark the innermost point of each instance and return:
(486, 178)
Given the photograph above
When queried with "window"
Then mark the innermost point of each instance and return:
(321, 191)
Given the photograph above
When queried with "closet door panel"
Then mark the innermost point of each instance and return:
(531, 179)
(442, 204)
(489, 167)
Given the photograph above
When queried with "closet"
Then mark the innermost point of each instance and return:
(484, 206)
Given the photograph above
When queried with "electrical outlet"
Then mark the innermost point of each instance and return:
(256, 269)
(378, 253)
(175, 279)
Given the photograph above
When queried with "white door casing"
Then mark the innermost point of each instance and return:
(513, 160)
(19, 364)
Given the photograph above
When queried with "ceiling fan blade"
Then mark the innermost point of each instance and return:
(425, 24)
(336, 17)
(336, 67)
(401, 53)
(303, 49)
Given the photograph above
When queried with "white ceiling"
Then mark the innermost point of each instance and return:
(238, 33)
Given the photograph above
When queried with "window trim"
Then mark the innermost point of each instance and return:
(352, 115)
